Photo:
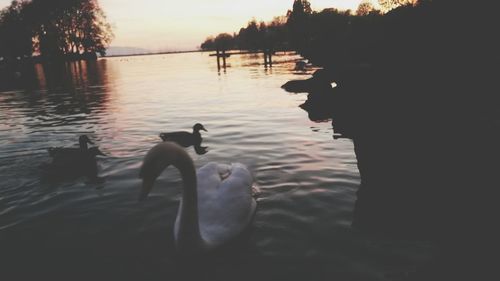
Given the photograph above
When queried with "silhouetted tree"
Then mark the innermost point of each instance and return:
(71, 27)
(54, 28)
(330, 36)
(248, 38)
(278, 33)
(298, 23)
(224, 41)
(15, 34)
(208, 44)
(391, 4)
(365, 8)
(301, 6)
(273, 35)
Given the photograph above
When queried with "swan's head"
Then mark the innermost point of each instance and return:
(197, 127)
(158, 159)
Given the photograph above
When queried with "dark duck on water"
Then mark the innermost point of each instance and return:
(183, 138)
(71, 162)
(71, 154)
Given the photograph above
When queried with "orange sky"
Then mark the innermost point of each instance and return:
(183, 25)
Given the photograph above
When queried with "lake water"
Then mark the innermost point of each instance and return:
(76, 229)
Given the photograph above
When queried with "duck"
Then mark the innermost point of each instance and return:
(63, 155)
(183, 138)
(72, 162)
(217, 203)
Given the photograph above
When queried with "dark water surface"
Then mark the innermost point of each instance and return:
(78, 230)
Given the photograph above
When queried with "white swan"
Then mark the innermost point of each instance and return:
(217, 202)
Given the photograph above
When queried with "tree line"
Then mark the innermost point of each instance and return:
(53, 29)
(370, 34)
(300, 27)
(255, 36)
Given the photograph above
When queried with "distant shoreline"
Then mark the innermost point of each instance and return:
(156, 53)
(229, 52)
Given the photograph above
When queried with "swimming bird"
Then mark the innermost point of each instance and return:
(72, 162)
(71, 154)
(217, 203)
(185, 139)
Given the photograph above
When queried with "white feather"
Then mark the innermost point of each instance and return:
(225, 205)
(225, 202)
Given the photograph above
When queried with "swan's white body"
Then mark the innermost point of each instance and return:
(217, 202)
(225, 203)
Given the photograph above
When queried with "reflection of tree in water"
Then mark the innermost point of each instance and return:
(72, 76)
(64, 92)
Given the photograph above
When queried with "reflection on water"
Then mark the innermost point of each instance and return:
(307, 180)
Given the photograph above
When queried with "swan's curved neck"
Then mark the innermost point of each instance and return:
(188, 232)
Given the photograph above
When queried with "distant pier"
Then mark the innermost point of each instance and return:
(222, 55)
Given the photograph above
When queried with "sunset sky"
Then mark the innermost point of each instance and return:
(183, 25)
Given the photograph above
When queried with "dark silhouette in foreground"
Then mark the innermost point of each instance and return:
(425, 124)
(69, 162)
(419, 100)
(187, 139)
(422, 176)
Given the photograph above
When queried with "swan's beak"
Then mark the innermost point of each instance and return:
(203, 128)
(147, 185)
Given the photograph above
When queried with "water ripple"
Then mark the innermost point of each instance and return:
(307, 180)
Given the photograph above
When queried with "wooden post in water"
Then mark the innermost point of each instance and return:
(224, 59)
(268, 58)
(221, 54)
(218, 59)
